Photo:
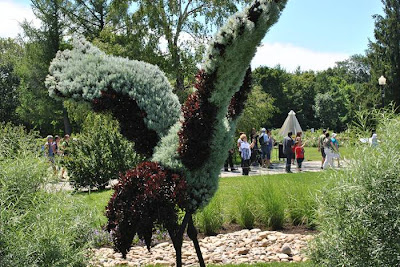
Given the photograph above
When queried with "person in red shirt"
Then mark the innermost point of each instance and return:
(299, 153)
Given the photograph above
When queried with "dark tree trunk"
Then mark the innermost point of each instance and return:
(180, 82)
(67, 123)
(179, 76)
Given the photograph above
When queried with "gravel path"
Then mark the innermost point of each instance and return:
(245, 246)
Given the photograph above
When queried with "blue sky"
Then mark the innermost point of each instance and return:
(312, 34)
(327, 25)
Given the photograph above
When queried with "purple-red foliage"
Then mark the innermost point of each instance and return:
(131, 120)
(147, 195)
(199, 121)
(239, 98)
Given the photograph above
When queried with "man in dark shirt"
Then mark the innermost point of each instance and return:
(288, 144)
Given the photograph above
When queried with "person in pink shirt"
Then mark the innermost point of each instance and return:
(299, 153)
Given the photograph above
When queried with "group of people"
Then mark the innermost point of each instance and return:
(257, 151)
(293, 149)
(54, 146)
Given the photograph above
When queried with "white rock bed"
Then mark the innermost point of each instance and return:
(246, 246)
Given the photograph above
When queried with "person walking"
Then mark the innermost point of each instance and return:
(335, 143)
(288, 144)
(229, 161)
(329, 152)
(374, 139)
(64, 151)
(269, 149)
(321, 146)
(254, 151)
(50, 151)
(298, 135)
(65, 145)
(49, 148)
(245, 154)
(239, 141)
(238, 144)
(299, 153)
(57, 145)
(264, 142)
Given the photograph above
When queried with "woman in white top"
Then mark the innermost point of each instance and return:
(374, 139)
(245, 153)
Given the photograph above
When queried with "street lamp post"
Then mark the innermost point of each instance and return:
(382, 83)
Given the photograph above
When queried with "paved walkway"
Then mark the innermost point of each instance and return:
(278, 168)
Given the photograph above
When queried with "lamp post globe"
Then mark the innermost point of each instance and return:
(382, 83)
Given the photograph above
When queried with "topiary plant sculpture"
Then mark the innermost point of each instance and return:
(184, 147)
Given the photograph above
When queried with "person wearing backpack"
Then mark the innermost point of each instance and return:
(329, 149)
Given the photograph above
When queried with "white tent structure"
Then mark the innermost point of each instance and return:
(291, 124)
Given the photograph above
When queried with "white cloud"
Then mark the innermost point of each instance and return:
(290, 57)
(11, 15)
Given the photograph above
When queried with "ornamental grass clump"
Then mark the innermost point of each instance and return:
(245, 208)
(38, 228)
(270, 205)
(301, 202)
(209, 219)
(15, 140)
(359, 219)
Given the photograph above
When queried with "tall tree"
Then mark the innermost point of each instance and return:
(272, 82)
(36, 108)
(258, 110)
(384, 53)
(88, 17)
(10, 55)
(185, 26)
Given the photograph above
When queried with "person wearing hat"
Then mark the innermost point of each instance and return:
(335, 143)
(50, 150)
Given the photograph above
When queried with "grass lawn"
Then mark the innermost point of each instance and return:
(98, 201)
(312, 153)
(264, 201)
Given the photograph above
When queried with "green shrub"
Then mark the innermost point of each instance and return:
(245, 209)
(15, 140)
(359, 218)
(209, 219)
(99, 154)
(270, 205)
(39, 228)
